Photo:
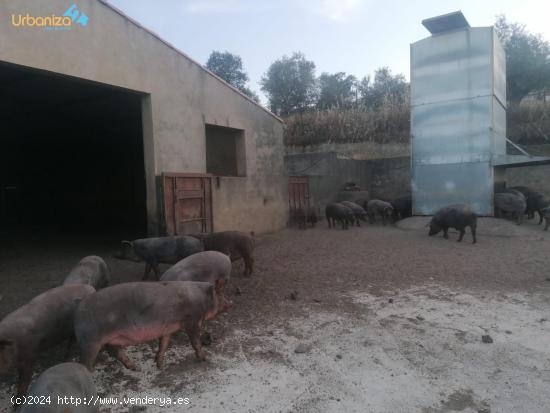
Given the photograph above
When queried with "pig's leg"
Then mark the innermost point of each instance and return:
(195, 338)
(156, 270)
(540, 216)
(25, 377)
(88, 354)
(147, 271)
(69, 347)
(547, 224)
(248, 264)
(223, 302)
(446, 233)
(462, 232)
(473, 228)
(118, 353)
(227, 302)
(164, 341)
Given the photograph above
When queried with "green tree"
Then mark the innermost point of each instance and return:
(527, 59)
(229, 67)
(385, 89)
(337, 90)
(290, 84)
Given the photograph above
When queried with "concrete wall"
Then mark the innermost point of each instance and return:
(389, 178)
(181, 98)
(328, 172)
(355, 150)
(536, 177)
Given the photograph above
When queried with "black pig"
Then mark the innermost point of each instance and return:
(457, 216)
(358, 211)
(337, 212)
(167, 250)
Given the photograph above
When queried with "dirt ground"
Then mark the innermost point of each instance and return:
(385, 319)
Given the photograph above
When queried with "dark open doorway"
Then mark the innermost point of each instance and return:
(71, 155)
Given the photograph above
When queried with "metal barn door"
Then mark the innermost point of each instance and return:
(298, 192)
(187, 203)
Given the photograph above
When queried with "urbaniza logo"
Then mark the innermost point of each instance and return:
(53, 22)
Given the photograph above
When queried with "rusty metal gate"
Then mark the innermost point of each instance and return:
(298, 192)
(187, 203)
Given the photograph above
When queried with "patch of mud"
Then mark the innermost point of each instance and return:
(357, 352)
(420, 353)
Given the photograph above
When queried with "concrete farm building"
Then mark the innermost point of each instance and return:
(104, 123)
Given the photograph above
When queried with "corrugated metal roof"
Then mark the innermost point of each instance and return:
(446, 22)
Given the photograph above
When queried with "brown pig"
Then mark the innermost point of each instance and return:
(133, 313)
(236, 244)
(91, 270)
(207, 266)
(42, 323)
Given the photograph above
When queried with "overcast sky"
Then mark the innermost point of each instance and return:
(353, 36)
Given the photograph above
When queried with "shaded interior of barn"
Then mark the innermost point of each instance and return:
(71, 155)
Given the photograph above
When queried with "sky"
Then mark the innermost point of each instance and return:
(352, 36)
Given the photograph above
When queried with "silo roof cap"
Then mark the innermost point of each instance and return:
(446, 22)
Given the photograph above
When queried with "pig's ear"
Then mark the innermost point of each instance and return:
(127, 244)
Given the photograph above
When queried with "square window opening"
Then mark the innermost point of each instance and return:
(225, 151)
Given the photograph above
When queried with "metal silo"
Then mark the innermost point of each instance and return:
(458, 116)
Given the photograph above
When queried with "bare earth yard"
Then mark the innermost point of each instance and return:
(385, 319)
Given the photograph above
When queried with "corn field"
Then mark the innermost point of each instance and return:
(387, 124)
(527, 125)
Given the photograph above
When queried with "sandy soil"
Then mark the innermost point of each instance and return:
(386, 319)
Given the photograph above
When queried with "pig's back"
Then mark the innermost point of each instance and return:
(142, 303)
(48, 315)
(65, 379)
(203, 266)
(90, 270)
